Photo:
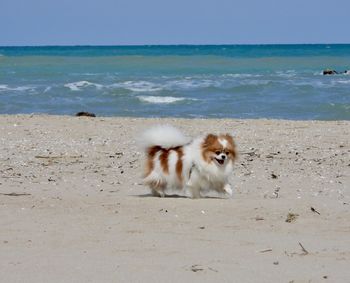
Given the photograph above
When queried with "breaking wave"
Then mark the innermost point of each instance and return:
(76, 86)
(138, 86)
(161, 99)
(19, 88)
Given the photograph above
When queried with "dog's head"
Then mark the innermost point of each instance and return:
(219, 149)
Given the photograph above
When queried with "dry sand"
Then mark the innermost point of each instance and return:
(73, 210)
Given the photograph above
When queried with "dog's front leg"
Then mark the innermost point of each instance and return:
(228, 190)
(195, 191)
(193, 186)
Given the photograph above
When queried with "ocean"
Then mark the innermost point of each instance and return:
(206, 81)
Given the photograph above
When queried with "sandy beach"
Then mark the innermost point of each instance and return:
(73, 208)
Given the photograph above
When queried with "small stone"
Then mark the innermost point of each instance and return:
(274, 176)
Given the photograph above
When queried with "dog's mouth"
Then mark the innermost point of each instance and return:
(220, 161)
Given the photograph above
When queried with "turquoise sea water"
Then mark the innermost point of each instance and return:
(237, 81)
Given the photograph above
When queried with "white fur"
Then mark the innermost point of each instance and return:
(223, 142)
(206, 176)
(198, 175)
(165, 136)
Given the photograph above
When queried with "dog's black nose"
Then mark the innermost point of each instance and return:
(223, 157)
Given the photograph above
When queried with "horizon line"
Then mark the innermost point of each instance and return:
(164, 45)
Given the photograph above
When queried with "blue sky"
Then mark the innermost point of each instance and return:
(128, 22)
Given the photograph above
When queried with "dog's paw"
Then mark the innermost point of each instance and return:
(228, 190)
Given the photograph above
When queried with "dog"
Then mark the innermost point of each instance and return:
(174, 162)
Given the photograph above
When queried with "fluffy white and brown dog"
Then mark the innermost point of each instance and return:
(174, 162)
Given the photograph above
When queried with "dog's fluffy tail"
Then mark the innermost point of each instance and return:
(165, 136)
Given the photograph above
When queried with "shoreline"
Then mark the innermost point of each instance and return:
(31, 115)
(74, 208)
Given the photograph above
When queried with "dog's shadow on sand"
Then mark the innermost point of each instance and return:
(152, 196)
(175, 197)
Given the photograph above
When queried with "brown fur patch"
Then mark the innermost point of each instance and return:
(163, 158)
(210, 145)
(179, 163)
(151, 152)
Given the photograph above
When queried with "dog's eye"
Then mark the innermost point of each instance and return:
(217, 152)
(227, 152)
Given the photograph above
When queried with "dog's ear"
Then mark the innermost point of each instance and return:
(229, 138)
(231, 141)
(209, 140)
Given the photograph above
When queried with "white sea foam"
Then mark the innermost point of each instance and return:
(286, 74)
(241, 76)
(47, 89)
(76, 86)
(84, 74)
(187, 83)
(342, 82)
(3, 87)
(23, 88)
(255, 82)
(138, 86)
(19, 88)
(190, 84)
(160, 99)
(314, 84)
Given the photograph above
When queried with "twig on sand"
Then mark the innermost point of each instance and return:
(15, 194)
(59, 156)
(314, 210)
(251, 153)
(195, 268)
(48, 157)
(305, 252)
(265, 251)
